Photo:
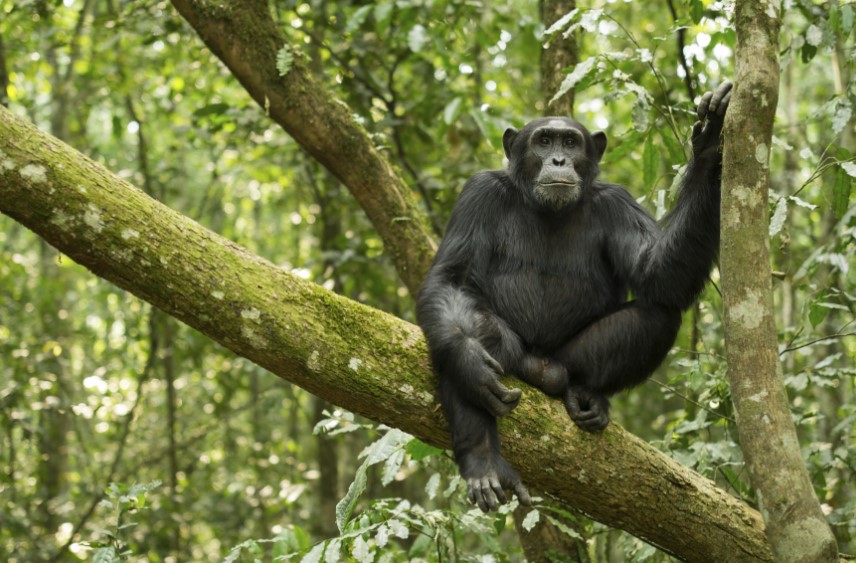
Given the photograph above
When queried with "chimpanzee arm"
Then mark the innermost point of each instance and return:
(669, 267)
(470, 347)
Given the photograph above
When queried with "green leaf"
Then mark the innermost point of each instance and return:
(360, 550)
(218, 108)
(314, 556)
(650, 161)
(452, 110)
(345, 507)
(384, 449)
(673, 147)
(333, 551)
(581, 70)
(499, 523)
(834, 19)
(391, 467)
(841, 118)
(383, 17)
(696, 10)
(797, 382)
(847, 18)
(625, 145)
(531, 520)
(419, 450)
(433, 486)
(381, 449)
(641, 107)
(481, 122)
(841, 193)
(560, 24)
(807, 52)
(571, 533)
(779, 216)
(816, 313)
(358, 18)
(284, 60)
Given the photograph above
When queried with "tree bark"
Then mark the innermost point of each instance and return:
(346, 353)
(560, 54)
(795, 525)
(244, 36)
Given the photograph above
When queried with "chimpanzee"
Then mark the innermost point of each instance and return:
(532, 279)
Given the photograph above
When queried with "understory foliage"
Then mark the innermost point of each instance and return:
(125, 434)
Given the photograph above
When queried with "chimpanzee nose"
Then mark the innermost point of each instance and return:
(558, 161)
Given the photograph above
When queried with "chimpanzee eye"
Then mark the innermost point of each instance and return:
(544, 140)
(570, 141)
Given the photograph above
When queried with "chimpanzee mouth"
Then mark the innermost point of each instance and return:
(557, 194)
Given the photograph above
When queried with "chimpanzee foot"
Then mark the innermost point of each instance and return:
(488, 480)
(589, 409)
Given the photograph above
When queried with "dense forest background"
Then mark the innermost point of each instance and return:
(126, 433)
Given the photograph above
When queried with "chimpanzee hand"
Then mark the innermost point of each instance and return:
(488, 475)
(484, 388)
(711, 115)
(551, 377)
(589, 409)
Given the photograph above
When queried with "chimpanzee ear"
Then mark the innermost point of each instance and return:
(599, 138)
(508, 140)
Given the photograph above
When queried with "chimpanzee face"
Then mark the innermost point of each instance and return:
(554, 158)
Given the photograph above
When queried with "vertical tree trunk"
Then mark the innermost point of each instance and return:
(559, 55)
(795, 525)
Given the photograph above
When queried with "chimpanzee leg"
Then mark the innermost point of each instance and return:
(503, 344)
(614, 353)
(475, 441)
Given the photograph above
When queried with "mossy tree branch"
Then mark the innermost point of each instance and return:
(346, 353)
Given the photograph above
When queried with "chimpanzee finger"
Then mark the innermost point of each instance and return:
(723, 105)
(493, 405)
(504, 394)
(572, 405)
(485, 491)
(718, 96)
(497, 491)
(499, 405)
(476, 494)
(703, 105)
(697, 128)
(492, 363)
(594, 424)
(522, 494)
(588, 415)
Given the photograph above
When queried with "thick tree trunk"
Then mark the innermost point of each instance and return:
(346, 353)
(244, 36)
(795, 525)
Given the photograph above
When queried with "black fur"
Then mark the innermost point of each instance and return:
(532, 280)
